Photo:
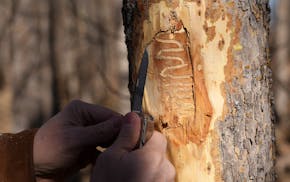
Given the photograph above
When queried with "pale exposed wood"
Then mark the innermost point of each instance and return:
(208, 84)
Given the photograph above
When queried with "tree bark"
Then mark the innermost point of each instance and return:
(208, 84)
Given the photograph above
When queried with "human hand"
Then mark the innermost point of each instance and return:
(68, 141)
(121, 163)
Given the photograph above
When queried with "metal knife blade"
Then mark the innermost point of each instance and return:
(147, 121)
(140, 84)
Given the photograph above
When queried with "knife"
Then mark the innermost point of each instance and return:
(147, 121)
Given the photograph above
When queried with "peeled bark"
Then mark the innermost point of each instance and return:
(208, 84)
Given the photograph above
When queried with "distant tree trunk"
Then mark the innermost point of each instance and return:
(24, 62)
(208, 84)
(281, 65)
(85, 50)
(57, 50)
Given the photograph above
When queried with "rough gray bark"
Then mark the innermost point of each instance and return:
(246, 133)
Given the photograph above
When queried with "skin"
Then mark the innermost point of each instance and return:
(67, 142)
(148, 164)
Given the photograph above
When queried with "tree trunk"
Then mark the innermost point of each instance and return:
(281, 69)
(208, 84)
(24, 64)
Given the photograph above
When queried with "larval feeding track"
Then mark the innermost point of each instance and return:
(176, 73)
(160, 56)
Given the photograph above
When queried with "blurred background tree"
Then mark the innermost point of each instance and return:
(280, 43)
(57, 50)
(54, 51)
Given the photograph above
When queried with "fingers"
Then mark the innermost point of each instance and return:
(170, 171)
(153, 155)
(88, 156)
(129, 134)
(157, 143)
(166, 171)
(85, 114)
(102, 134)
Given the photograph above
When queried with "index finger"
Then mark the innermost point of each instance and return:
(85, 114)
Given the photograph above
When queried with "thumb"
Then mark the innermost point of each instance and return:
(129, 134)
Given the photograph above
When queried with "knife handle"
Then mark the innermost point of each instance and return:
(147, 128)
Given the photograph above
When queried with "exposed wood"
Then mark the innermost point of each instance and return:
(208, 84)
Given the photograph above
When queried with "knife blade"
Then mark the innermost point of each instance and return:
(147, 121)
(140, 84)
